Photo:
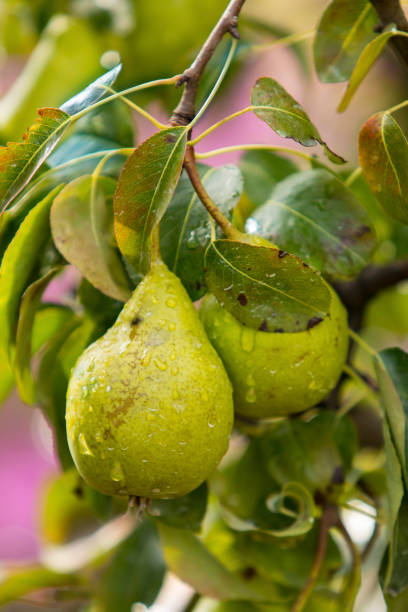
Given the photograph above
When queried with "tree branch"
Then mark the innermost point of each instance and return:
(390, 11)
(185, 111)
(356, 293)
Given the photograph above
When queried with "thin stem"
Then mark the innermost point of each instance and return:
(138, 109)
(353, 176)
(397, 107)
(285, 41)
(170, 81)
(354, 582)
(360, 381)
(364, 345)
(217, 84)
(326, 522)
(255, 147)
(100, 165)
(219, 123)
(155, 244)
(189, 163)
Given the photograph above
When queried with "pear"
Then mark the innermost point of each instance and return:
(149, 405)
(276, 374)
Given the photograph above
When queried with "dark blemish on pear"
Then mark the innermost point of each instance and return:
(263, 326)
(282, 254)
(313, 321)
(242, 299)
(279, 330)
(78, 491)
(136, 320)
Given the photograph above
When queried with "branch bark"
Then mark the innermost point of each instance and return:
(185, 110)
(390, 11)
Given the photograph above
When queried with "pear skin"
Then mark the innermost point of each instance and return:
(276, 374)
(149, 404)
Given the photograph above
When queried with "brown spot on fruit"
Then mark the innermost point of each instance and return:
(282, 254)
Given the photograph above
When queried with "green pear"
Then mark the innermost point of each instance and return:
(149, 405)
(275, 374)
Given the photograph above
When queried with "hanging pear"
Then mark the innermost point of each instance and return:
(276, 374)
(149, 405)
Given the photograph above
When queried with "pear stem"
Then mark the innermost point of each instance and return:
(191, 167)
(155, 245)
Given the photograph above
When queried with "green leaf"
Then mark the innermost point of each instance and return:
(20, 581)
(185, 512)
(262, 170)
(81, 225)
(135, 573)
(19, 161)
(145, 188)
(345, 28)
(185, 230)
(383, 156)
(30, 302)
(397, 572)
(315, 216)
(98, 306)
(274, 105)
(191, 561)
(79, 145)
(367, 58)
(6, 380)
(265, 287)
(92, 93)
(18, 265)
(110, 122)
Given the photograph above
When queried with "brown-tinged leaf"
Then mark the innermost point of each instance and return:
(383, 156)
(20, 160)
(145, 188)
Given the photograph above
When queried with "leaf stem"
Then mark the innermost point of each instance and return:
(353, 177)
(190, 165)
(219, 123)
(363, 344)
(328, 519)
(265, 147)
(361, 381)
(138, 109)
(397, 107)
(285, 41)
(155, 244)
(217, 84)
(169, 81)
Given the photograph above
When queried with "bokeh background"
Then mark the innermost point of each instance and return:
(50, 49)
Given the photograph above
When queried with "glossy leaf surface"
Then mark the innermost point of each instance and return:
(345, 28)
(82, 229)
(145, 188)
(92, 93)
(264, 286)
(383, 156)
(18, 264)
(20, 160)
(315, 216)
(185, 230)
(367, 58)
(274, 105)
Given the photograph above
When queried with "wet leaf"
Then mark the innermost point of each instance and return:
(185, 230)
(367, 58)
(265, 287)
(315, 216)
(135, 573)
(274, 105)
(92, 93)
(145, 188)
(20, 160)
(79, 145)
(191, 561)
(345, 28)
(111, 122)
(81, 224)
(30, 302)
(18, 266)
(383, 156)
(18, 582)
(185, 512)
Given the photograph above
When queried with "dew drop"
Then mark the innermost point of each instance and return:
(146, 358)
(250, 380)
(83, 446)
(174, 370)
(116, 473)
(162, 365)
(251, 395)
(108, 388)
(247, 340)
(211, 425)
(171, 303)
(84, 391)
(171, 326)
(173, 355)
(90, 408)
(98, 435)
